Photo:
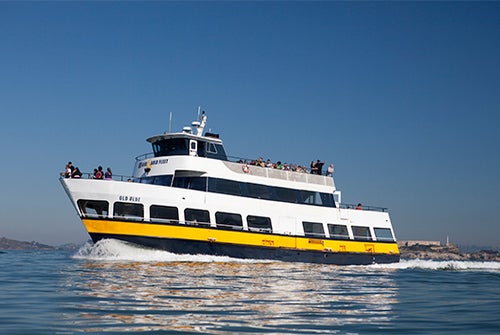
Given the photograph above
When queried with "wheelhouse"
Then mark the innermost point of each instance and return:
(208, 146)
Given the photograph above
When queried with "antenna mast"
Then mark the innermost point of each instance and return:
(170, 123)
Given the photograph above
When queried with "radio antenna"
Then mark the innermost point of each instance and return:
(170, 123)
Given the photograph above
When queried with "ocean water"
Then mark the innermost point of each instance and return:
(116, 288)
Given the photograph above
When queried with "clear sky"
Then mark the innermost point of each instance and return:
(403, 97)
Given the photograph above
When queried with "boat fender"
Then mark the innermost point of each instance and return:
(245, 168)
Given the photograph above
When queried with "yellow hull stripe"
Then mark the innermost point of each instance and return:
(186, 232)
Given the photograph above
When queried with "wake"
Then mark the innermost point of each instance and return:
(116, 250)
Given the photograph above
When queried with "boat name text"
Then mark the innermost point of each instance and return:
(153, 162)
(129, 198)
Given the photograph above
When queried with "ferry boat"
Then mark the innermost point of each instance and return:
(189, 197)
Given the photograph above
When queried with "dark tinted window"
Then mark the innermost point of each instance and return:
(196, 216)
(313, 229)
(156, 180)
(192, 183)
(338, 231)
(383, 234)
(164, 214)
(259, 191)
(171, 147)
(327, 199)
(285, 194)
(163, 180)
(361, 233)
(93, 208)
(259, 223)
(224, 186)
(308, 197)
(228, 220)
(128, 211)
(216, 151)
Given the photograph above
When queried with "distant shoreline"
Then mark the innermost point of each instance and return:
(11, 244)
(416, 251)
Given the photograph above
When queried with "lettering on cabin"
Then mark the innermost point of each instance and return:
(130, 198)
(154, 162)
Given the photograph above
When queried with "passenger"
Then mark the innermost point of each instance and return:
(319, 167)
(94, 175)
(358, 207)
(99, 169)
(279, 166)
(68, 169)
(98, 173)
(314, 169)
(269, 164)
(329, 170)
(76, 173)
(260, 162)
(108, 175)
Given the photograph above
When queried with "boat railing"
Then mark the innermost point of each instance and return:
(303, 177)
(363, 207)
(145, 156)
(87, 175)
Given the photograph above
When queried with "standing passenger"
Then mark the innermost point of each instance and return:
(329, 171)
(108, 175)
(319, 167)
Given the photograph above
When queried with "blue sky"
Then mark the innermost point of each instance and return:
(403, 97)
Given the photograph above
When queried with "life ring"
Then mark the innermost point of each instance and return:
(245, 168)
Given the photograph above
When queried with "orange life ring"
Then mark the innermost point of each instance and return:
(245, 168)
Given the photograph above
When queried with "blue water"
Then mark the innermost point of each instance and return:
(115, 288)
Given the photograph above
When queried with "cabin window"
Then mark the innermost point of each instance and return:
(316, 198)
(165, 180)
(285, 194)
(128, 211)
(338, 231)
(327, 199)
(93, 208)
(163, 214)
(259, 223)
(224, 186)
(361, 233)
(259, 191)
(192, 183)
(211, 148)
(217, 152)
(228, 220)
(196, 217)
(383, 234)
(171, 147)
(313, 229)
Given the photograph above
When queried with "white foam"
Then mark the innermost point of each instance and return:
(115, 250)
(440, 265)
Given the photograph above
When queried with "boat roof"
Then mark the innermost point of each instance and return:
(208, 137)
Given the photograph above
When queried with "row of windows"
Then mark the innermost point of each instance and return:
(250, 190)
(168, 214)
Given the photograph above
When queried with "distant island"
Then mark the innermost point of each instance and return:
(431, 250)
(10, 244)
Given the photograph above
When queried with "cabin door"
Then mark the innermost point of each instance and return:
(193, 148)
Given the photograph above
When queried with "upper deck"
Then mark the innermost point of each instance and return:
(196, 144)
